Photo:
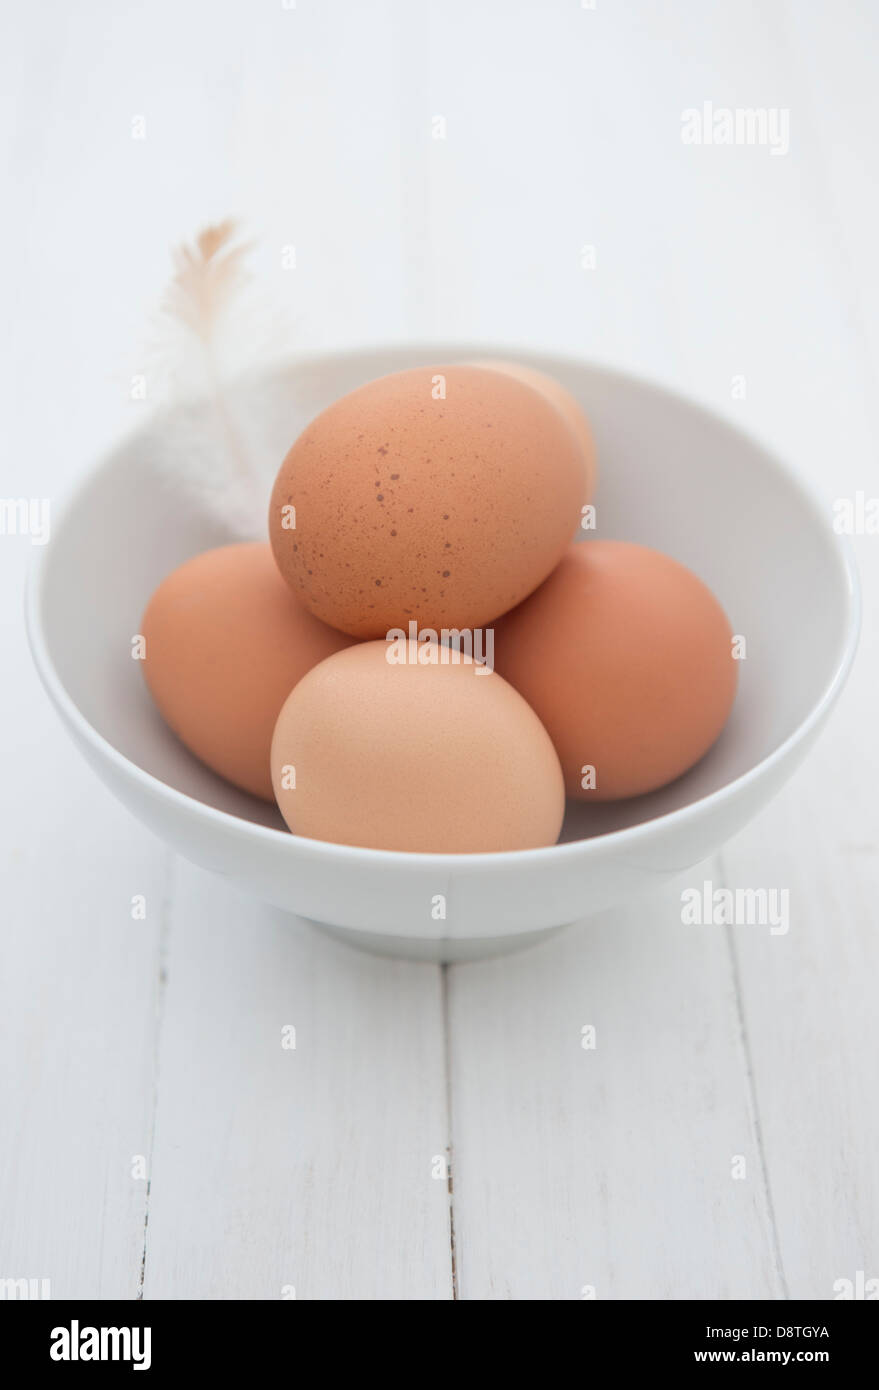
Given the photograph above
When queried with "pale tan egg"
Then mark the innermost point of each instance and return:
(439, 495)
(568, 407)
(391, 746)
(627, 659)
(226, 641)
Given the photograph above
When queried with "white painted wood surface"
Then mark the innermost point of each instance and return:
(272, 1169)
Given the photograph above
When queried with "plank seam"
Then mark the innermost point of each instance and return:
(447, 1063)
(752, 1096)
(165, 910)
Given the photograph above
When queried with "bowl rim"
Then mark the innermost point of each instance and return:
(547, 855)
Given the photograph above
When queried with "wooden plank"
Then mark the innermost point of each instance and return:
(306, 1168)
(720, 284)
(809, 997)
(810, 1013)
(80, 1098)
(78, 1023)
(607, 1172)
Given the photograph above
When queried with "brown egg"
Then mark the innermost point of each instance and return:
(565, 403)
(225, 643)
(439, 495)
(385, 746)
(626, 657)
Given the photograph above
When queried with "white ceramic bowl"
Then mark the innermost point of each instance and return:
(671, 476)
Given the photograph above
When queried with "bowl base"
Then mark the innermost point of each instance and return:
(436, 951)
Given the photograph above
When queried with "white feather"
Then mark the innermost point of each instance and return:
(211, 330)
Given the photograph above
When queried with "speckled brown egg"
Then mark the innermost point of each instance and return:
(387, 747)
(440, 495)
(626, 656)
(568, 407)
(226, 642)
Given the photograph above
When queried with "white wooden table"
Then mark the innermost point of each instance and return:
(156, 1137)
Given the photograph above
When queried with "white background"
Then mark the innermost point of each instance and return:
(609, 1169)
